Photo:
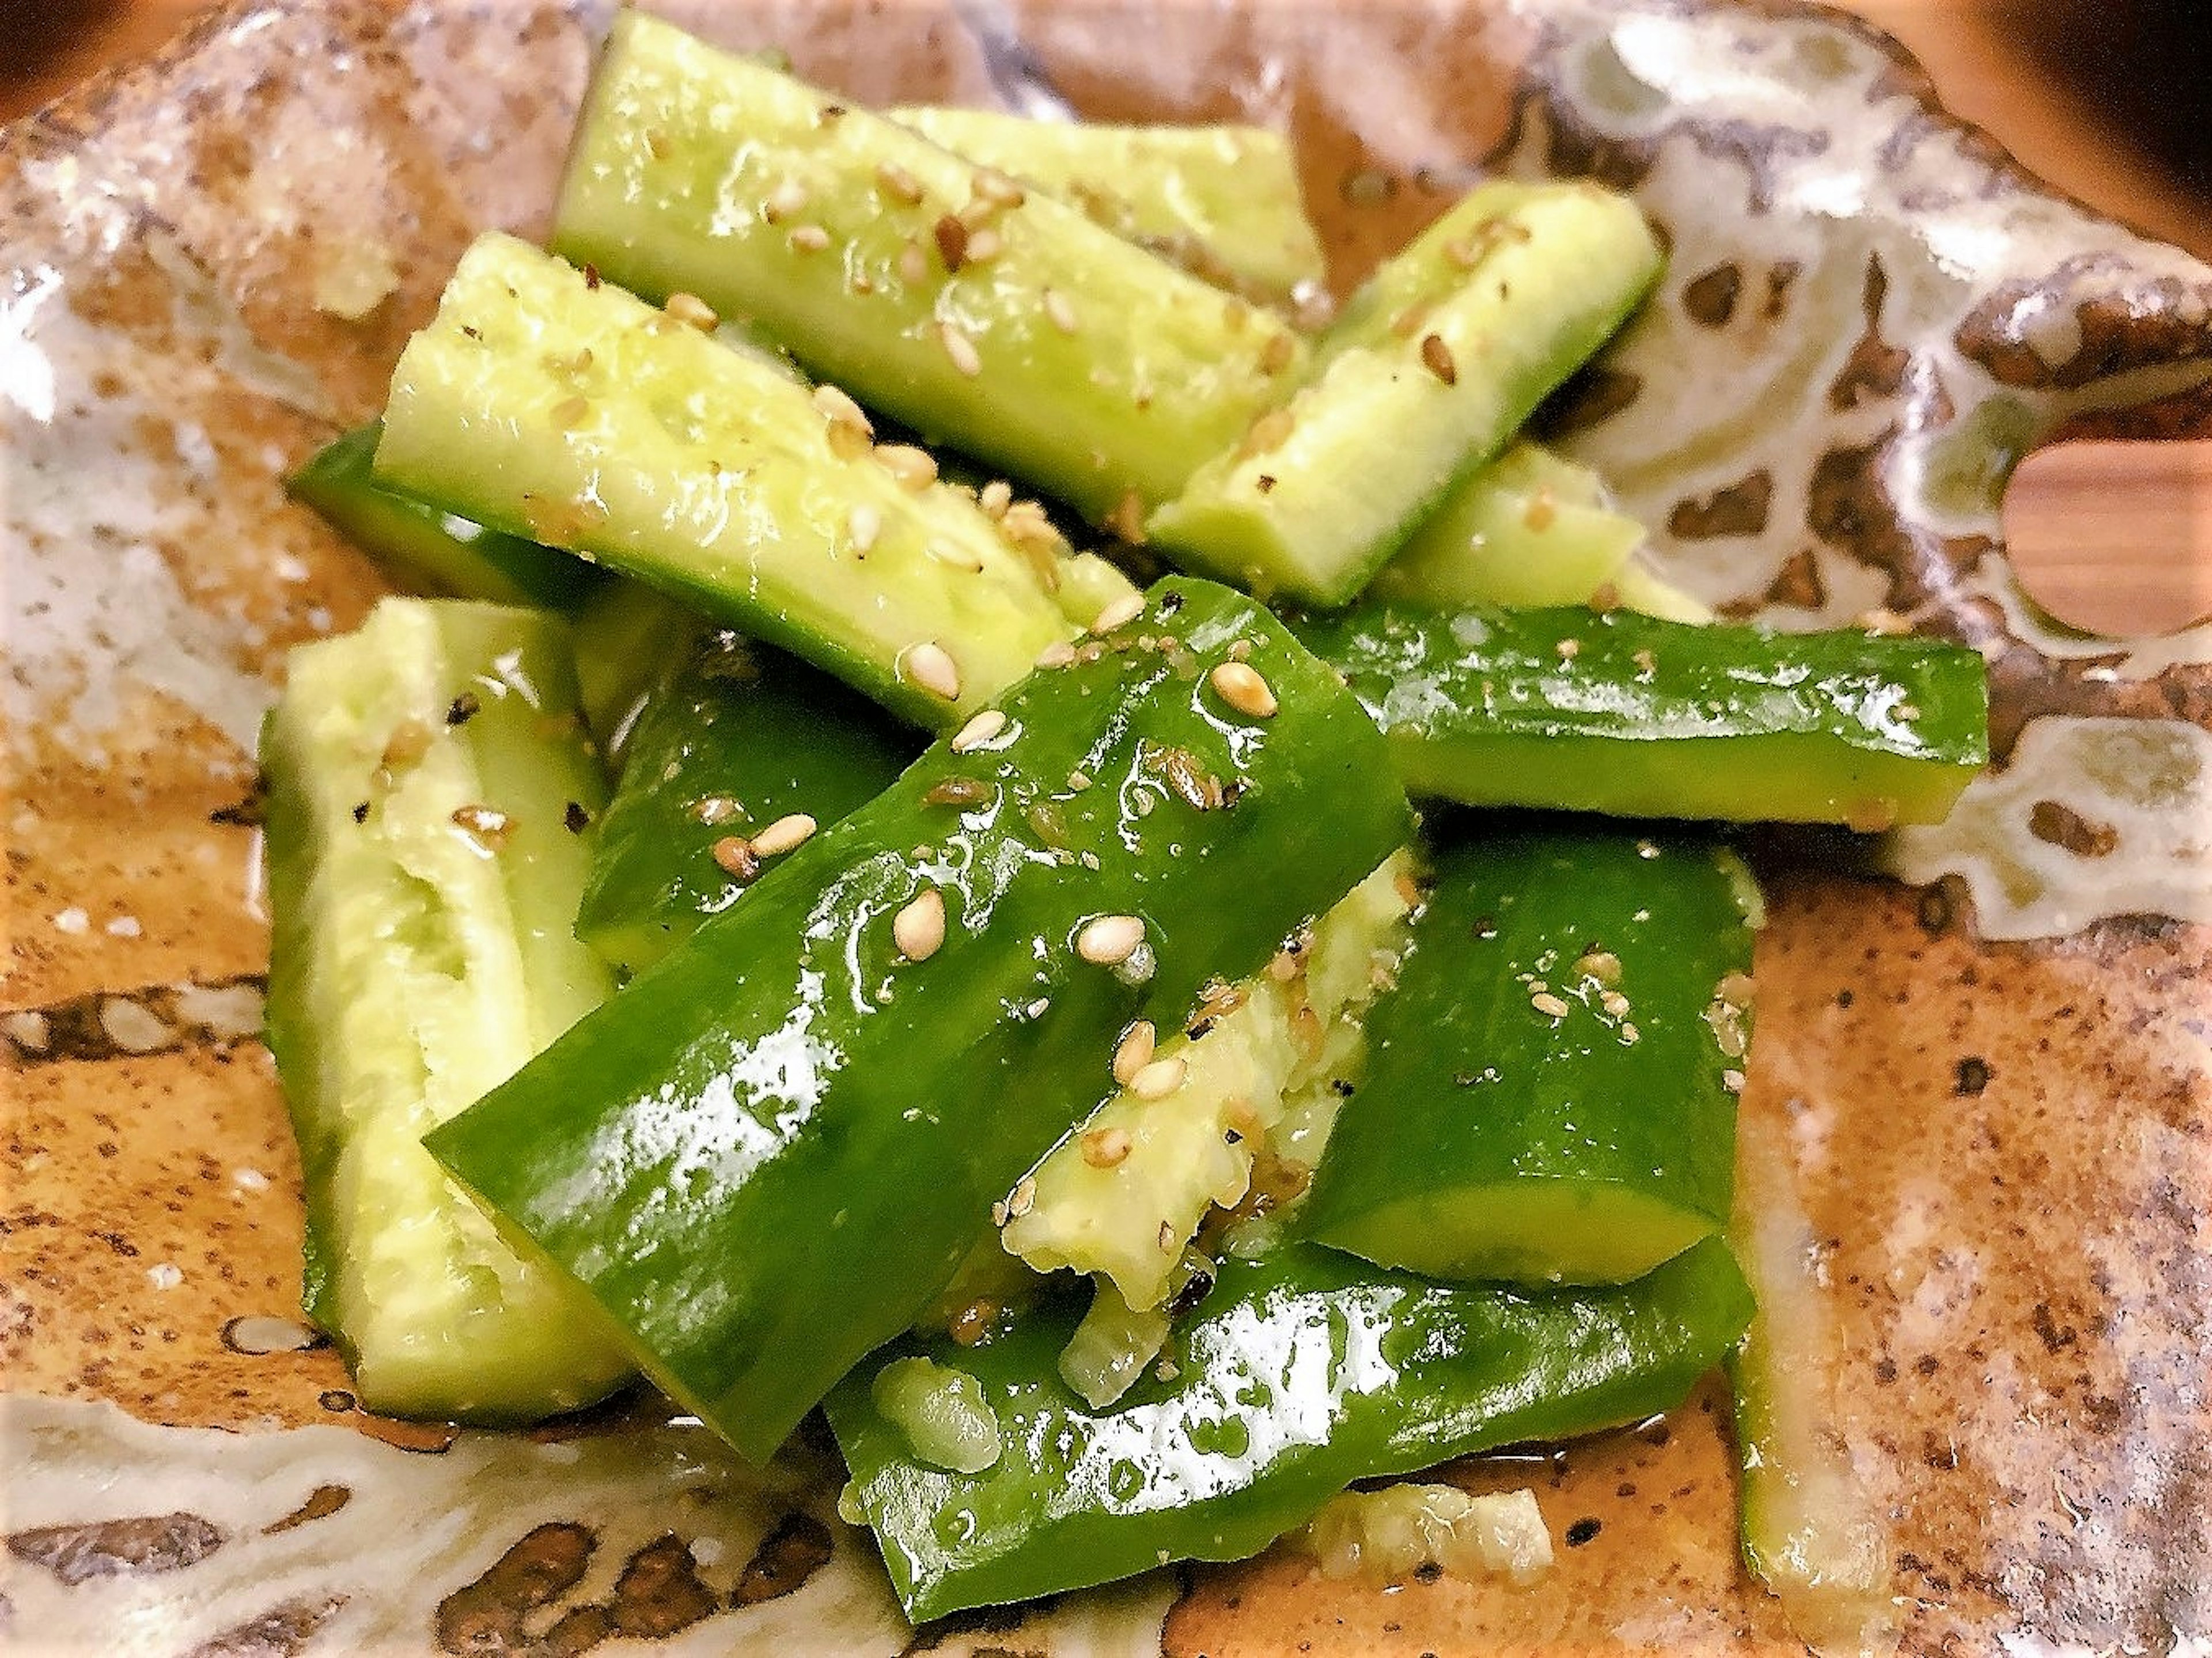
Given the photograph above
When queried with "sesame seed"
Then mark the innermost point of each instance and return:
(1240, 685)
(1647, 850)
(1614, 1003)
(1058, 654)
(951, 236)
(656, 143)
(486, 825)
(1606, 598)
(1738, 990)
(837, 406)
(1278, 353)
(1059, 311)
(999, 1213)
(735, 853)
(714, 809)
(898, 183)
(1266, 434)
(1160, 1079)
(691, 311)
(1646, 664)
(1109, 940)
(983, 247)
(919, 928)
(913, 265)
(1118, 613)
(1541, 511)
(929, 666)
(1569, 649)
(1601, 965)
(1631, 1035)
(1408, 322)
(1907, 711)
(1133, 1052)
(1545, 1003)
(961, 349)
(1437, 358)
(1167, 1241)
(994, 498)
(787, 833)
(1733, 1081)
(1023, 1198)
(570, 412)
(979, 731)
(914, 469)
(1026, 525)
(969, 560)
(1128, 519)
(994, 186)
(786, 200)
(810, 239)
(863, 523)
(1106, 1148)
(1078, 781)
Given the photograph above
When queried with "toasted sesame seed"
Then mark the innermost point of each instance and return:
(1266, 434)
(1738, 990)
(973, 1322)
(984, 246)
(1058, 654)
(994, 186)
(570, 412)
(715, 809)
(1278, 353)
(1545, 1003)
(787, 833)
(913, 265)
(785, 201)
(1026, 525)
(1646, 664)
(1167, 1241)
(1601, 965)
(994, 498)
(1109, 940)
(914, 469)
(898, 183)
(863, 523)
(961, 349)
(1614, 1003)
(1733, 1081)
(1240, 650)
(1870, 817)
(999, 1212)
(735, 855)
(1159, 1079)
(1079, 781)
(1908, 711)
(1133, 1052)
(1606, 598)
(809, 238)
(979, 731)
(691, 311)
(1059, 311)
(487, 825)
(1407, 323)
(968, 560)
(656, 143)
(1541, 510)
(929, 665)
(1118, 613)
(1569, 649)
(919, 928)
(1126, 520)
(951, 236)
(1437, 358)
(835, 404)
(1241, 686)
(1106, 1148)
(1023, 1200)
(1631, 1035)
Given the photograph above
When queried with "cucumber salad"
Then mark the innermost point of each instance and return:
(887, 877)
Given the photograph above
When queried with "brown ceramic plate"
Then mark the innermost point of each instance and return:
(1980, 1101)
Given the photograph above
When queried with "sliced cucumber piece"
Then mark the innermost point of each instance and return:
(541, 398)
(998, 320)
(743, 738)
(1434, 365)
(1549, 1094)
(431, 788)
(1623, 713)
(1222, 201)
(424, 548)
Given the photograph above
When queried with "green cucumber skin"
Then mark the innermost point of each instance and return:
(1559, 709)
(1222, 201)
(1298, 1373)
(631, 640)
(408, 972)
(740, 723)
(1530, 530)
(762, 1170)
(706, 473)
(424, 548)
(681, 148)
(1492, 1140)
(1555, 271)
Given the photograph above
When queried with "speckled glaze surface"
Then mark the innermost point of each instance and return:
(1988, 1086)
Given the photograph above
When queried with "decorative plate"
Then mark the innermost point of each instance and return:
(1979, 1114)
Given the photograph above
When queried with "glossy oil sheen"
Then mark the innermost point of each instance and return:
(1493, 1137)
(1629, 715)
(1298, 1373)
(769, 1152)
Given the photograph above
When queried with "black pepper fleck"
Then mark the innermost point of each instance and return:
(1581, 1532)
(1972, 1076)
(463, 708)
(576, 817)
(360, 812)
